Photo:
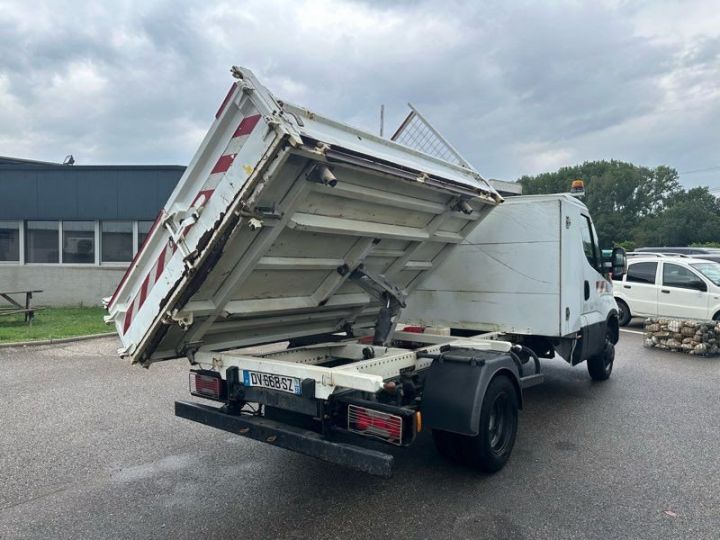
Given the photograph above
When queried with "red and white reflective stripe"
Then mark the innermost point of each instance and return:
(247, 125)
(225, 101)
(148, 283)
(155, 224)
(223, 164)
(225, 161)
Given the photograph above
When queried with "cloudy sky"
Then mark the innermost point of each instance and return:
(517, 87)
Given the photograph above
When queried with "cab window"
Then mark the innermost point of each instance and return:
(677, 276)
(590, 247)
(643, 272)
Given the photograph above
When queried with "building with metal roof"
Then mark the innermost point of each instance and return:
(72, 230)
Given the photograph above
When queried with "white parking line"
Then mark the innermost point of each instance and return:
(632, 331)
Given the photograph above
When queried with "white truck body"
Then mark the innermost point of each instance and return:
(291, 227)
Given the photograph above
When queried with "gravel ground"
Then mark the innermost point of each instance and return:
(89, 448)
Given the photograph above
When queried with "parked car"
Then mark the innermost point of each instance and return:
(709, 254)
(680, 287)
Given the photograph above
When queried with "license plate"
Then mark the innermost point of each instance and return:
(282, 383)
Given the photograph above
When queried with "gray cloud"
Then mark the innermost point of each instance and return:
(518, 87)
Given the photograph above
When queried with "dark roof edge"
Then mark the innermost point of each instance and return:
(6, 160)
(10, 163)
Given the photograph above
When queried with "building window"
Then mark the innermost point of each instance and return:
(78, 242)
(9, 241)
(117, 241)
(41, 242)
(143, 230)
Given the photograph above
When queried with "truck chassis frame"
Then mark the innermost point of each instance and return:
(365, 375)
(326, 386)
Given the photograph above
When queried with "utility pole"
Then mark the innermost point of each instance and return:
(382, 119)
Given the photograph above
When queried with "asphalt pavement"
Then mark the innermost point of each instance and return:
(89, 448)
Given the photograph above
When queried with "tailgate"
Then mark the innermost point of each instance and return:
(263, 236)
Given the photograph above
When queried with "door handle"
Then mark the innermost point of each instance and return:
(664, 291)
(627, 287)
(587, 290)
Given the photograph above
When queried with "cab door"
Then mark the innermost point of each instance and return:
(594, 284)
(594, 291)
(683, 293)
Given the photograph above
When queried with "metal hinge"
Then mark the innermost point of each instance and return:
(392, 297)
(377, 285)
(178, 221)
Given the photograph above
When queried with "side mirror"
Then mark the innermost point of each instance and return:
(618, 261)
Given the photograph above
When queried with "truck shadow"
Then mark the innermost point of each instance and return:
(561, 401)
(268, 492)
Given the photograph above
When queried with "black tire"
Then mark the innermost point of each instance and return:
(600, 366)
(490, 449)
(624, 315)
(716, 317)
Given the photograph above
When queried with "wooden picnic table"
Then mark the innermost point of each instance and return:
(17, 306)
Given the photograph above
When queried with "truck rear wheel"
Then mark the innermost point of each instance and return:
(600, 366)
(490, 449)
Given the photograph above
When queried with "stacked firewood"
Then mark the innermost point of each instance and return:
(692, 337)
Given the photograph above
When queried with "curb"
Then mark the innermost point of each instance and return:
(54, 341)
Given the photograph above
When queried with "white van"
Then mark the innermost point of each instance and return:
(668, 286)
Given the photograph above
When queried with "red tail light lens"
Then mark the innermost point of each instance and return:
(207, 386)
(376, 424)
(414, 329)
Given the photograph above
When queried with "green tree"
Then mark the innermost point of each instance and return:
(691, 216)
(620, 196)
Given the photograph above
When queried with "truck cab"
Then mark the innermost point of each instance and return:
(534, 272)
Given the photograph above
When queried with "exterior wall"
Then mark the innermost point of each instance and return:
(62, 285)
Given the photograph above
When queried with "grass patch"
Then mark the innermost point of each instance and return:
(54, 323)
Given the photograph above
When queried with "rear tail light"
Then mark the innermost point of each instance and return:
(375, 424)
(414, 329)
(207, 385)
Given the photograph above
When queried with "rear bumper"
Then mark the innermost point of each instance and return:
(289, 437)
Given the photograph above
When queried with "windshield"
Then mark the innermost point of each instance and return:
(710, 270)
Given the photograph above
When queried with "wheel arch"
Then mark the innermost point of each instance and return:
(454, 390)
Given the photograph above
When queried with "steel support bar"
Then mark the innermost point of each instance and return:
(289, 437)
(327, 379)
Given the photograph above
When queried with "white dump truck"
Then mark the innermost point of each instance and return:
(282, 263)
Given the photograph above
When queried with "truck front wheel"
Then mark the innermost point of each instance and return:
(600, 366)
(490, 449)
